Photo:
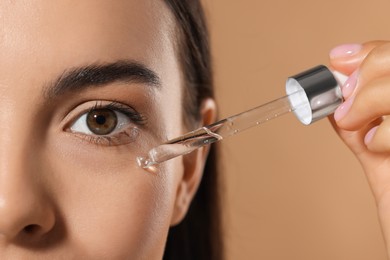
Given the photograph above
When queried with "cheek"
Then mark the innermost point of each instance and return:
(110, 206)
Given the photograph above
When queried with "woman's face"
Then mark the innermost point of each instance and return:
(85, 88)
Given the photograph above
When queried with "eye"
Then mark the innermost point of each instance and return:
(113, 124)
(99, 122)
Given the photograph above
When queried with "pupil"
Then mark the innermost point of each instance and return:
(100, 119)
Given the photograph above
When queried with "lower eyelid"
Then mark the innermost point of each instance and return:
(124, 137)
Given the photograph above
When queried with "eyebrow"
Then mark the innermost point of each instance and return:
(94, 75)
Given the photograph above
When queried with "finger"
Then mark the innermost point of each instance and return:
(375, 164)
(378, 138)
(376, 64)
(347, 58)
(355, 139)
(369, 103)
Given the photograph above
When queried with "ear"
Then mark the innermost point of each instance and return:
(193, 167)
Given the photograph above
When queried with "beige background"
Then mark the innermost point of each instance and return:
(292, 191)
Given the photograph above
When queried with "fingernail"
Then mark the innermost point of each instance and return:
(343, 109)
(350, 85)
(370, 135)
(345, 50)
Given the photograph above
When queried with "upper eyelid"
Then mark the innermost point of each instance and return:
(78, 110)
(135, 116)
(120, 107)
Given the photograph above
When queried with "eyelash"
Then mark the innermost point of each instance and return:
(117, 138)
(133, 115)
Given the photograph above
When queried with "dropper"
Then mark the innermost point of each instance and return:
(311, 95)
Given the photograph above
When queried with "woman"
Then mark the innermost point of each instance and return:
(86, 87)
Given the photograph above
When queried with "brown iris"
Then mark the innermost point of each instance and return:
(102, 121)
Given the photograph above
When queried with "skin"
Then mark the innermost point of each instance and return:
(63, 196)
(369, 109)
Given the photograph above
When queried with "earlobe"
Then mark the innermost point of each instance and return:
(193, 167)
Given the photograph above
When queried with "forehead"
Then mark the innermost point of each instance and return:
(50, 35)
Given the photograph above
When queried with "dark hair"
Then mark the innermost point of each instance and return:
(199, 235)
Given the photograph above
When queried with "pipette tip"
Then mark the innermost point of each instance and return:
(145, 162)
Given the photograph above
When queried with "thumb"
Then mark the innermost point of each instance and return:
(346, 58)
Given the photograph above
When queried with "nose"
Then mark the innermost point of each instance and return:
(23, 213)
(26, 213)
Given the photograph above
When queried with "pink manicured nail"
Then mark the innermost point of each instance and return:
(343, 109)
(350, 85)
(370, 135)
(345, 50)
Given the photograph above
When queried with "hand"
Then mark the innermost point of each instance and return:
(361, 120)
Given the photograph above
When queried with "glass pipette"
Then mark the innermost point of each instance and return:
(311, 95)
